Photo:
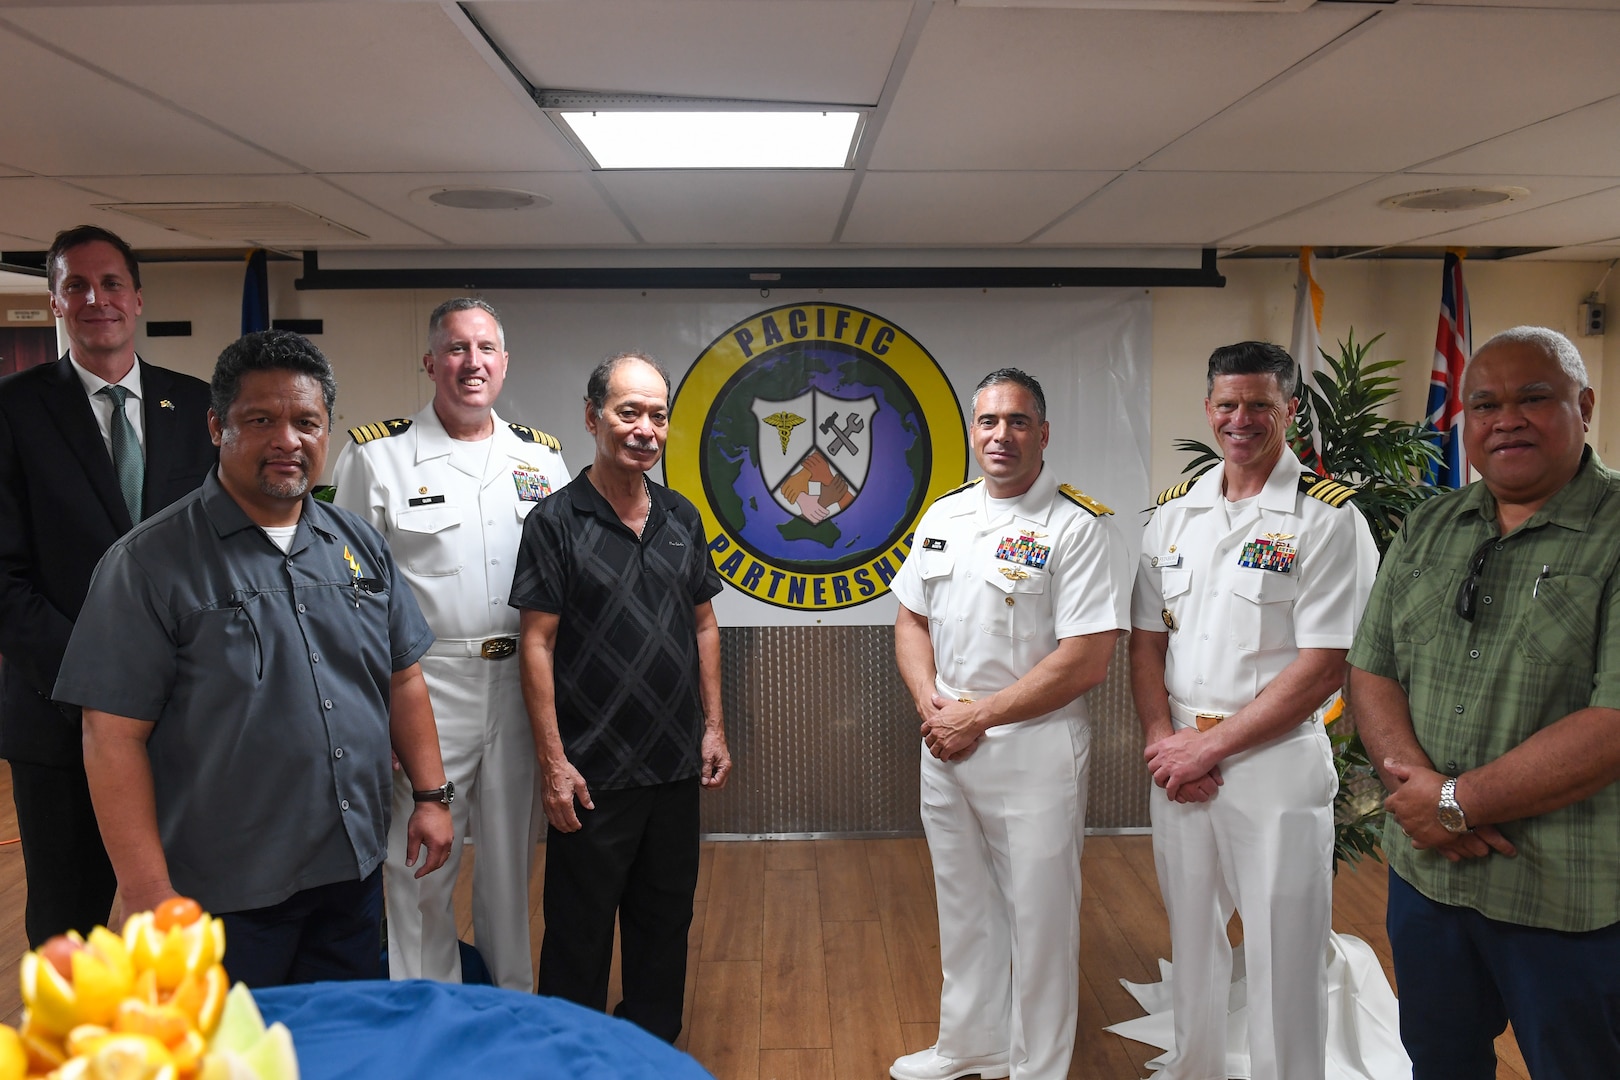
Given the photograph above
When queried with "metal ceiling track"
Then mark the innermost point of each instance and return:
(1206, 276)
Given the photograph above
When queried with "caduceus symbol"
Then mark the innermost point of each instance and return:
(784, 423)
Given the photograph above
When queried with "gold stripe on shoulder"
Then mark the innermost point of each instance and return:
(1182, 488)
(962, 488)
(535, 435)
(368, 432)
(1084, 501)
(1332, 492)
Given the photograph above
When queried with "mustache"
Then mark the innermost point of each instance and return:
(300, 460)
(641, 444)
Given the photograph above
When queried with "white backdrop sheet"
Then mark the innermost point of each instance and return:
(1091, 350)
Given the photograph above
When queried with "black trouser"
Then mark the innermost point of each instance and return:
(636, 854)
(70, 880)
(326, 932)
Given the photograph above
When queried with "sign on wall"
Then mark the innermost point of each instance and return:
(812, 437)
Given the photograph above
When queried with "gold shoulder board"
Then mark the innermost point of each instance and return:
(535, 435)
(381, 430)
(1084, 501)
(1182, 488)
(1331, 492)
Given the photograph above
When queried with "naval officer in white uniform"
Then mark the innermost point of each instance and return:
(1011, 599)
(1251, 582)
(449, 489)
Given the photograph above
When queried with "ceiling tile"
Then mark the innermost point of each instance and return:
(1044, 89)
(1419, 82)
(810, 50)
(64, 119)
(1355, 218)
(963, 207)
(1579, 143)
(308, 192)
(1584, 220)
(36, 209)
(1191, 208)
(745, 208)
(577, 214)
(362, 87)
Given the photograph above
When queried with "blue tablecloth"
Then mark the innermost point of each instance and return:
(437, 1031)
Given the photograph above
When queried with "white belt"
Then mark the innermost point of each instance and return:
(492, 648)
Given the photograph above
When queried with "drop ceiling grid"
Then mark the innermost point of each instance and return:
(810, 50)
(1355, 218)
(1582, 220)
(1192, 208)
(1043, 89)
(1580, 142)
(577, 215)
(938, 208)
(1424, 82)
(37, 207)
(744, 208)
(334, 87)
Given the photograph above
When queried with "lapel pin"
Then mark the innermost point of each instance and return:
(166, 404)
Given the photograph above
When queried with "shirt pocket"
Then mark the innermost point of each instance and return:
(226, 640)
(934, 568)
(1420, 596)
(1263, 610)
(1559, 626)
(423, 540)
(1014, 607)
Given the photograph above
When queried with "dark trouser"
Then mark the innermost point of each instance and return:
(1463, 976)
(70, 880)
(327, 932)
(637, 854)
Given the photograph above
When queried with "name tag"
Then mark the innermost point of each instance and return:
(427, 500)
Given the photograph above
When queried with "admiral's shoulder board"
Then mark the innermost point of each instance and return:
(1331, 492)
(1083, 501)
(535, 435)
(1182, 488)
(382, 430)
(965, 487)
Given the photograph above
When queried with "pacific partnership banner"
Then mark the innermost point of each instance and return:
(812, 432)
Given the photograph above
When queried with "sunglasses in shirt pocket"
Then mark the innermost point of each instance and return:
(1559, 625)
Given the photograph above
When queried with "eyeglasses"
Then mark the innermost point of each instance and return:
(1468, 591)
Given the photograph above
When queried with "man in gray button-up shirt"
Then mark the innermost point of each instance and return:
(245, 660)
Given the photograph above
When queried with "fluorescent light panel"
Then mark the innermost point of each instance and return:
(666, 139)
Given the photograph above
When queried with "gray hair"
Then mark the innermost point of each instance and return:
(1017, 377)
(596, 387)
(461, 303)
(1553, 344)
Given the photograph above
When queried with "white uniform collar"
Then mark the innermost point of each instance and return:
(1033, 505)
(1281, 490)
(432, 441)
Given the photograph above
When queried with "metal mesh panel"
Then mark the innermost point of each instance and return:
(823, 737)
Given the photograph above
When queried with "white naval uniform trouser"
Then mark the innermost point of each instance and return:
(1265, 844)
(1005, 827)
(488, 751)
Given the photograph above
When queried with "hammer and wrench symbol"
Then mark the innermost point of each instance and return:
(841, 436)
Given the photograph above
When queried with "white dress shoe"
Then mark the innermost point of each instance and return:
(930, 1064)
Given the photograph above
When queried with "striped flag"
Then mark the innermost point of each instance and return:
(256, 292)
(1454, 343)
(1305, 347)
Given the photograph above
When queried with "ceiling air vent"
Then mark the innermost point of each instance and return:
(1445, 200)
(264, 224)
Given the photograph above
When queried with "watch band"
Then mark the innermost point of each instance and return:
(445, 794)
(1449, 811)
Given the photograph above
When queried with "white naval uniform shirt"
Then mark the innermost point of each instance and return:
(454, 534)
(1063, 572)
(1236, 627)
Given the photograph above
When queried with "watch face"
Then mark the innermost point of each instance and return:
(1452, 818)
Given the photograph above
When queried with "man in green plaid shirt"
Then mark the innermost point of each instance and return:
(1486, 684)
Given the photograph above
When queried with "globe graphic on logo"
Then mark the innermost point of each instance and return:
(878, 505)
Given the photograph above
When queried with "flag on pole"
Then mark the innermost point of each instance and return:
(1305, 347)
(256, 293)
(1454, 343)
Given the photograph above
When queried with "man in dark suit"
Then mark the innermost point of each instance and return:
(88, 446)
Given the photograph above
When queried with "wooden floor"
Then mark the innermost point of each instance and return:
(814, 960)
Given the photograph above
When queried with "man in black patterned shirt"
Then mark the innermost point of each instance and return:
(621, 676)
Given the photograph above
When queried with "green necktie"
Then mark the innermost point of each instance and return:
(128, 461)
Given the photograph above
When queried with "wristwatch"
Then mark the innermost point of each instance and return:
(445, 794)
(1450, 814)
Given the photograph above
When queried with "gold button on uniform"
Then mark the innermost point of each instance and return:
(1009, 601)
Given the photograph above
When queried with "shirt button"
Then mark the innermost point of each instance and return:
(491, 521)
(1473, 654)
(327, 704)
(1457, 708)
(1206, 637)
(300, 609)
(1487, 599)
(1498, 547)
(1214, 592)
(1417, 573)
(338, 752)
(959, 660)
(1009, 601)
(344, 804)
(314, 657)
(494, 562)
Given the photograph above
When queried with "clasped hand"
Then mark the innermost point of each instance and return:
(1178, 763)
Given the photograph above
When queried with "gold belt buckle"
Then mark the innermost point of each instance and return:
(1207, 720)
(498, 648)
